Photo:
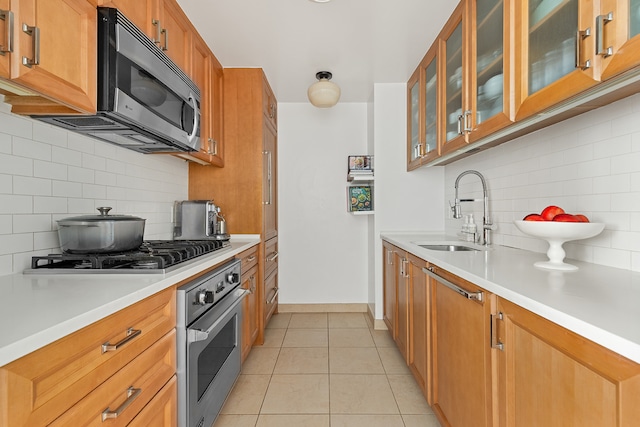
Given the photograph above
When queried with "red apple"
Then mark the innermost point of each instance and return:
(550, 212)
(565, 217)
(582, 218)
(533, 217)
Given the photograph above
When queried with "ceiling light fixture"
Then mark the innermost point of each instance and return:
(320, 1)
(323, 93)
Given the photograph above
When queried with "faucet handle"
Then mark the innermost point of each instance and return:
(455, 209)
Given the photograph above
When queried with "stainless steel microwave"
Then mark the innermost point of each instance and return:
(145, 101)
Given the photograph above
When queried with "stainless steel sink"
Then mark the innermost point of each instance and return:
(449, 248)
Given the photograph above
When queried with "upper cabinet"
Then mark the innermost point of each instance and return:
(555, 48)
(48, 52)
(503, 64)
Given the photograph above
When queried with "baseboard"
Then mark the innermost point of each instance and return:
(322, 308)
(377, 324)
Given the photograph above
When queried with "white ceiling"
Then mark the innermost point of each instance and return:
(361, 42)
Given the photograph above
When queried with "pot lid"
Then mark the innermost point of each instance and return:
(104, 216)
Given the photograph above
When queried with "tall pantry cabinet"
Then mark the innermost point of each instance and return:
(246, 188)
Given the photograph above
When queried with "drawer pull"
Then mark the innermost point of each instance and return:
(272, 256)
(473, 296)
(131, 334)
(132, 393)
(251, 258)
(273, 298)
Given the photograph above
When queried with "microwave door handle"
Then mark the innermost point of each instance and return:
(196, 114)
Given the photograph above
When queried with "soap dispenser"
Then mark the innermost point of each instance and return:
(471, 229)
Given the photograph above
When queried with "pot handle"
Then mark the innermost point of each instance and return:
(104, 211)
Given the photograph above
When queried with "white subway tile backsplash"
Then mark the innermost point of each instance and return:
(14, 165)
(78, 206)
(84, 144)
(6, 265)
(31, 149)
(49, 204)
(589, 164)
(49, 134)
(83, 175)
(65, 156)
(66, 189)
(31, 223)
(106, 178)
(50, 170)
(13, 243)
(45, 240)
(5, 143)
(16, 204)
(6, 224)
(32, 186)
(6, 184)
(92, 191)
(16, 125)
(90, 161)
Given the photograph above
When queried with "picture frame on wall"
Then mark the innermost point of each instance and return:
(360, 198)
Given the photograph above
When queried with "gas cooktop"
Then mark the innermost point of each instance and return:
(153, 256)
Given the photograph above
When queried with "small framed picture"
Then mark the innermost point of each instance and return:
(360, 163)
(360, 198)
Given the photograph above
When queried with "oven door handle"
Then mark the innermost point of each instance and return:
(195, 335)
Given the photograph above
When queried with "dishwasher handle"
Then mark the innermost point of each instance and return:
(473, 296)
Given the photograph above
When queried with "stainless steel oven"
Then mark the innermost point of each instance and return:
(209, 328)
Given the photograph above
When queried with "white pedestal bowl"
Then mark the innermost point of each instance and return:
(556, 233)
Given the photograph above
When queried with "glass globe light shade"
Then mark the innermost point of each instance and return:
(323, 93)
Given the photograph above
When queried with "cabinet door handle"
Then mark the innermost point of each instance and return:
(474, 296)
(275, 295)
(601, 20)
(7, 15)
(213, 147)
(156, 23)
(132, 394)
(131, 334)
(579, 38)
(494, 331)
(35, 33)
(252, 288)
(467, 126)
(269, 159)
(251, 258)
(165, 31)
(272, 256)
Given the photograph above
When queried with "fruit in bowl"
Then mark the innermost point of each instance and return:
(561, 227)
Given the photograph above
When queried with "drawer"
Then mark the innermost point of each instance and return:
(128, 391)
(60, 374)
(270, 295)
(249, 258)
(162, 410)
(270, 256)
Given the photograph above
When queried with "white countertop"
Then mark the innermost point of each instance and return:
(37, 309)
(600, 303)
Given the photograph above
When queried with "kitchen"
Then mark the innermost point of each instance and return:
(587, 164)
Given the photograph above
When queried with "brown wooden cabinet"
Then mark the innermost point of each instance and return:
(402, 280)
(390, 301)
(165, 24)
(74, 379)
(419, 356)
(550, 376)
(461, 358)
(250, 309)
(246, 188)
(54, 56)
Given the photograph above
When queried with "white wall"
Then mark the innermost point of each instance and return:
(47, 173)
(589, 164)
(323, 248)
(405, 201)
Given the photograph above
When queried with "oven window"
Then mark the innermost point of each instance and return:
(213, 357)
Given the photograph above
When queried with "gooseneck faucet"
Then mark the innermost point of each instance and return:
(487, 225)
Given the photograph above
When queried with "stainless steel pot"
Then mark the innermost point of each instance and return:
(100, 233)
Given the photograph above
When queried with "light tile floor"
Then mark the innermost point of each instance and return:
(325, 370)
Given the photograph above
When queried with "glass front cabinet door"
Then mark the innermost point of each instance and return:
(617, 40)
(422, 111)
(556, 52)
(492, 76)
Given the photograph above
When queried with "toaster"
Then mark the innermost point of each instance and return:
(198, 220)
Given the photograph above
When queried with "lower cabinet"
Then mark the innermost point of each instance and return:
(461, 359)
(270, 293)
(484, 361)
(116, 365)
(549, 376)
(250, 305)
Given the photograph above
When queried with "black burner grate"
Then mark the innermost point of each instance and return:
(151, 255)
